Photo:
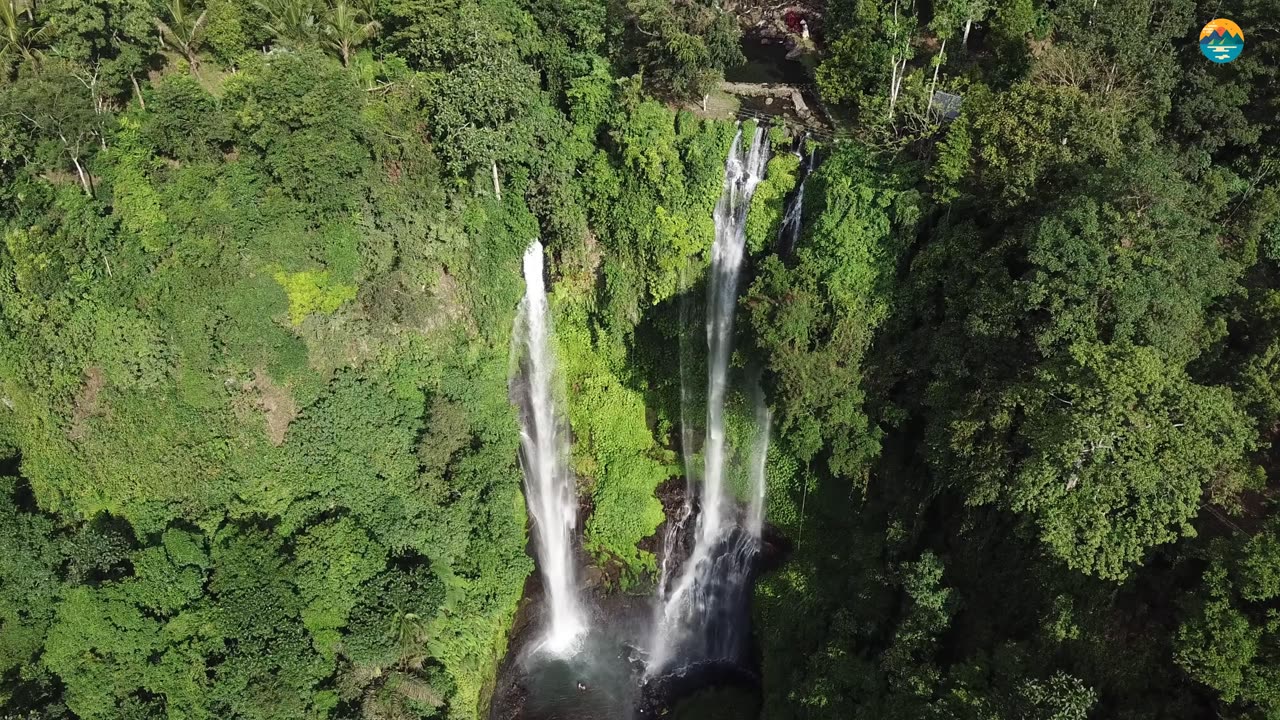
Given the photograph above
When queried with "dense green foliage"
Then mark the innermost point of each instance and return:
(254, 322)
(259, 270)
(1053, 323)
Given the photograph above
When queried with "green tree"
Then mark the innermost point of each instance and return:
(815, 317)
(1120, 448)
(30, 586)
(108, 42)
(1142, 267)
(230, 29)
(908, 660)
(294, 24)
(1135, 38)
(300, 116)
(52, 122)
(184, 31)
(682, 48)
(853, 72)
(275, 669)
(347, 27)
(489, 107)
(185, 122)
(1228, 636)
(24, 37)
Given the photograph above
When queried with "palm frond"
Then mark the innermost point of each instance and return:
(291, 22)
(197, 27)
(21, 37)
(346, 27)
(167, 36)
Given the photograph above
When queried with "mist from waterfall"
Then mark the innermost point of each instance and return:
(698, 616)
(544, 458)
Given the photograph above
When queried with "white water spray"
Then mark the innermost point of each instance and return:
(716, 569)
(742, 175)
(759, 456)
(789, 231)
(549, 485)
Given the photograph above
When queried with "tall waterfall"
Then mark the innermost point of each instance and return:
(696, 613)
(544, 442)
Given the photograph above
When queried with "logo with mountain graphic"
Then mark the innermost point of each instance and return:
(1221, 40)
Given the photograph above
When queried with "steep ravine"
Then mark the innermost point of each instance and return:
(652, 648)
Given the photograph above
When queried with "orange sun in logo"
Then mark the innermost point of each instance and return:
(1221, 40)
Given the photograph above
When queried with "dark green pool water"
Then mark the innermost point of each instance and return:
(601, 682)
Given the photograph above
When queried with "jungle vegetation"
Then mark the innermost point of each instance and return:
(259, 269)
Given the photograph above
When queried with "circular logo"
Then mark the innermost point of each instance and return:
(1221, 40)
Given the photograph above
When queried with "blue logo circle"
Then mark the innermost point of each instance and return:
(1221, 40)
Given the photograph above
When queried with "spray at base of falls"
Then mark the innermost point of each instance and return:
(675, 531)
(544, 459)
(697, 615)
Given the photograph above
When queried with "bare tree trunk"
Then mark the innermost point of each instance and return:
(942, 54)
(137, 91)
(497, 189)
(84, 179)
(893, 64)
(968, 25)
(895, 84)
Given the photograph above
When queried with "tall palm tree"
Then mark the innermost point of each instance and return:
(293, 23)
(346, 28)
(183, 32)
(22, 36)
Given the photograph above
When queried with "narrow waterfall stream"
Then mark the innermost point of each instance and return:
(759, 455)
(698, 616)
(789, 231)
(644, 656)
(544, 442)
(567, 666)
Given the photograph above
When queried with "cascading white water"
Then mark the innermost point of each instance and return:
(742, 175)
(675, 531)
(548, 483)
(789, 231)
(759, 456)
(721, 556)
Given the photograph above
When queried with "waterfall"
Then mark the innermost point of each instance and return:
(741, 177)
(789, 231)
(544, 442)
(675, 531)
(696, 615)
(759, 456)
